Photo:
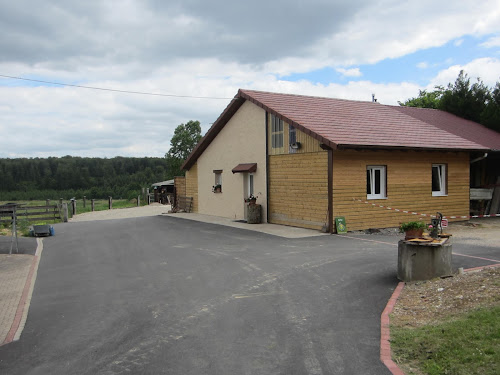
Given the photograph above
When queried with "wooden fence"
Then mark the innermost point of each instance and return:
(29, 213)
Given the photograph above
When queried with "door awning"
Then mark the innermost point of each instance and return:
(245, 168)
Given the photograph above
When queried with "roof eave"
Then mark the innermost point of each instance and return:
(407, 148)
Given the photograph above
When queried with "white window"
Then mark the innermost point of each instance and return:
(217, 188)
(276, 132)
(376, 182)
(250, 184)
(438, 180)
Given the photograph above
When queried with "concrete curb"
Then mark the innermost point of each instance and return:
(23, 307)
(385, 329)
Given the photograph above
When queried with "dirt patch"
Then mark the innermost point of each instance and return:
(481, 231)
(433, 301)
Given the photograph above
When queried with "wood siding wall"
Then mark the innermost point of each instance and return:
(192, 185)
(308, 143)
(180, 187)
(408, 187)
(298, 189)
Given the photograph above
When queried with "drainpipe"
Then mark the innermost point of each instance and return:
(330, 191)
(330, 186)
(479, 158)
(267, 166)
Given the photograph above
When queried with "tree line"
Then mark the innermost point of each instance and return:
(472, 101)
(67, 177)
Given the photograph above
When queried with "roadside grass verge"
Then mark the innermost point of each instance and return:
(466, 345)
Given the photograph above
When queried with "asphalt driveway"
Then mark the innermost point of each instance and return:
(162, 295)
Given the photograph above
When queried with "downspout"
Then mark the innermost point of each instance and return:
(479, 158)
(267, 167)
(330, 185)
(330, 191)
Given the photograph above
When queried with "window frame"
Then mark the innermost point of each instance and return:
(277, 132)
(442, 179)
(218, 178)
(371, 169)
(250, 185)
(292, 138)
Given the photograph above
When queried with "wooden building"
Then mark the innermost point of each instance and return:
(313, 159)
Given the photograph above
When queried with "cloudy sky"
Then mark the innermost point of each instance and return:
(199, 48)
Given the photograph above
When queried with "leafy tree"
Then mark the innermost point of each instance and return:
(425, 99)
(69, 176)
(490, 116)
(474, 102)
(185, 138)
(465, 100)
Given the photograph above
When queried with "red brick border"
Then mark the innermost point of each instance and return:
(22, 303)
(385, 333)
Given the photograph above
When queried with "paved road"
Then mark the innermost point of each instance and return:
(162, 295)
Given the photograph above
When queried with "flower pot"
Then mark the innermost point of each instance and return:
(413, 233)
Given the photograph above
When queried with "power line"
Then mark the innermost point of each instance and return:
(114, 90)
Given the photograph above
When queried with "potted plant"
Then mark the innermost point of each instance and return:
(217, 188)
(412, 229)
(251, 199)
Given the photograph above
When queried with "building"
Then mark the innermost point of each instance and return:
(311, 159)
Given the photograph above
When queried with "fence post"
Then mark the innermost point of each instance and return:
(60, 201)
(138, 200)
(65, 212)
(92, 203)
(148, 198)
(84, 201)
(47, 203)
(73, 207)
(110, 204)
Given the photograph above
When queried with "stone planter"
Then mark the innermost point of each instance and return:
(254, 214)
(423, 261)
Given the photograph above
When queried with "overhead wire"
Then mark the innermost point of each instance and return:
(114, 90)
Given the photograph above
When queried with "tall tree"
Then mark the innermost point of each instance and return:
(474, 102)
(425, 99)
(490, 116)
(465, 100)
(185, 138)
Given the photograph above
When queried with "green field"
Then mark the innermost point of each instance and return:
(24, 225)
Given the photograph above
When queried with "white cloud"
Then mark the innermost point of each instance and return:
(487, 69)
(353, 72)
(202, 48)
(492, 42)
(423, 65)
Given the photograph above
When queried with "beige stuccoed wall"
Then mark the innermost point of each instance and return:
(242, 140)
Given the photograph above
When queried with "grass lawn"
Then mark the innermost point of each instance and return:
(466, 345)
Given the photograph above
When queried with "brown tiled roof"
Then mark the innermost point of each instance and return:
(456, 125)
(340, 123)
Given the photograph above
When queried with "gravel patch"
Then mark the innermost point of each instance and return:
(153, 209)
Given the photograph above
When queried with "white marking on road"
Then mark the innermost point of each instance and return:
(250, 295)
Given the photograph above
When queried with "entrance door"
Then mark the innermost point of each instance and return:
(248, 189)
